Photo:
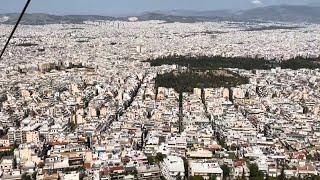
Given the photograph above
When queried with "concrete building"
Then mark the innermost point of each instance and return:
(205, 169)
(173, 167)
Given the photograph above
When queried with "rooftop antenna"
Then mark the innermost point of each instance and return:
(15, 27)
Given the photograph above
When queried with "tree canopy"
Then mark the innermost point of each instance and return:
(255, 173)
(248, 63)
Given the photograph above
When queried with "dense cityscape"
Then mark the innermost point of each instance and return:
(85, 101)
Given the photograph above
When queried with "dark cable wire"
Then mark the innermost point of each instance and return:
(15, 27)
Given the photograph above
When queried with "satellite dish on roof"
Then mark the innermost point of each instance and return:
(133, 19)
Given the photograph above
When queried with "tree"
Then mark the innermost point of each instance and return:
(267, 176)
(73, 126)
(243, 174)
(222, 143)
(196, 178)
(162, 178)
(160, 157)
(254, 172)
(226, 171)
(274, 95)
(293, 178)
(273, 178)
(14, 164)
(7, 153)
(213, 177)
(156, 159)
(25, 176)
(151, 160)
(315, 177)
(282, 176)
(186, 166)
(179, 177)
(34, 175)
(316, 156)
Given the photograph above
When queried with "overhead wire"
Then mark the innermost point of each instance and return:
(15, 28)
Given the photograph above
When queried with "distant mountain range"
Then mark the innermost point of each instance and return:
(42, 19)
(282, 13)
(308, 14)
(314, 4)
(216, 13)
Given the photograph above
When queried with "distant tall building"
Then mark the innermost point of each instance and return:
(226, 93)
(133, 19)
(197, 92)
(139, 49)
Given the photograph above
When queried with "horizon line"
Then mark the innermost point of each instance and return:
(124, 14)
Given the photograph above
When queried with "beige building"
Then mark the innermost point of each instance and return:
(20, 136)
(31, 137)
(205, 169)
(25, 93)
(149, 172)
(4, 141)
(6, 163)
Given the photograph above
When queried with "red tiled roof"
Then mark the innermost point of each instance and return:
(239, 163)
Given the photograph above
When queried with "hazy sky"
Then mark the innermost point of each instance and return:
(116, 7)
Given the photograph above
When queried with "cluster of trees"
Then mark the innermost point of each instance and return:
(27, 44)
(73, 126)
(215, 62)
(7, 153)
(272, 28)
(186, 81)
(156, 159)
(255, 173)
(222, 143)
(226, 171)
(26, 176)
(314, 157)
(248, 63)
(299, 62)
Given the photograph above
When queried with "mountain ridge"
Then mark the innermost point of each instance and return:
(280, 13)
(284, 13)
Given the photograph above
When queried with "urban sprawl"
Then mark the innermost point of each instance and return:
(79, 101)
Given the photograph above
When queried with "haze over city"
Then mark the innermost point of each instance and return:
(125, 7)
